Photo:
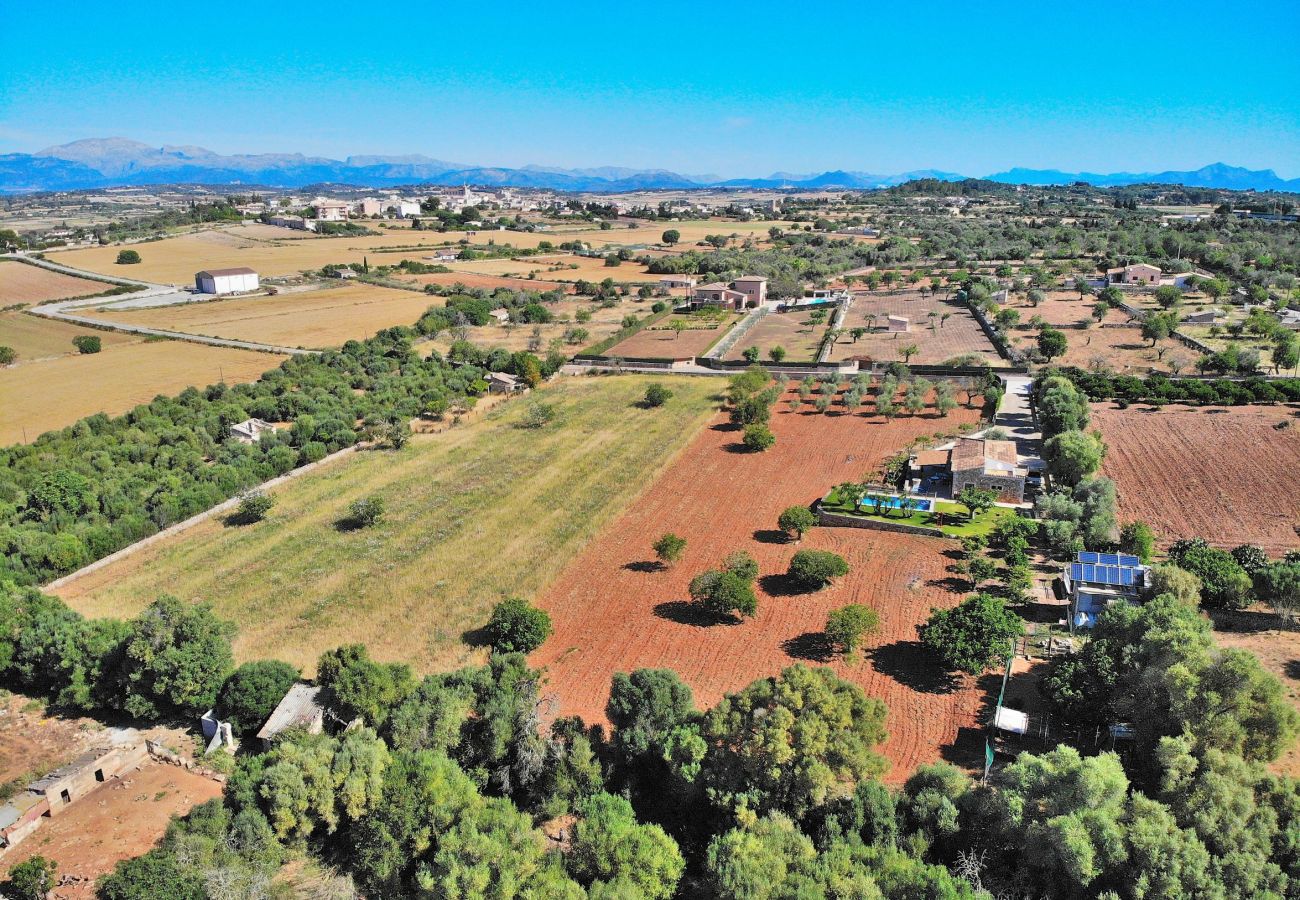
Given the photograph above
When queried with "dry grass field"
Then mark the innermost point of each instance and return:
(35, 337)
(603, 323)
(794, 331)
(475, 514)
(313, 319)
(1121, 350)
(615, 609)
(958, 335)
(55, 393)
(1223, 474)
(21, 283)
(487, 282)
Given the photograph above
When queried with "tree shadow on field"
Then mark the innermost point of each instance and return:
(781, 585)
(237, 519)
(911, 665)
(1292, 669)
(346, 524)
(737, 447)
(476, 637)
(645, 565)
(726, 426)
(1245, 621)
(684, 612)
(966, 750)
(956, 584)
(813, 646)
(771, 536)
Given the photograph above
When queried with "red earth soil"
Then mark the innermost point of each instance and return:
(1223, 474)
(615, 610)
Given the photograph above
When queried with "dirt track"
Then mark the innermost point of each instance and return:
(614, 609)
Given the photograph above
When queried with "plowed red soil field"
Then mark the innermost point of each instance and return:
(615, 610)
(1223, 474)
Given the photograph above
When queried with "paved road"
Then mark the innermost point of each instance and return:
(1015, 415)
(150, 295)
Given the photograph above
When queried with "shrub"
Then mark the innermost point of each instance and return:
(517, 626)
(87, 343)
(814, 569)
(846, 626)
(795, 521)
(656, 395)
(32, 879)
(669, 548)
(127, 257)
(758, 437)
(7, 355)
(538, 415)
(366, 512)
(254, 507)
(250, 695)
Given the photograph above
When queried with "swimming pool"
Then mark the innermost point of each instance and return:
(920, 504)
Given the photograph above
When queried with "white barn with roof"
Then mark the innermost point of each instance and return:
(226, 281)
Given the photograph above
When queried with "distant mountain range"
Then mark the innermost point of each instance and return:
(110, 162)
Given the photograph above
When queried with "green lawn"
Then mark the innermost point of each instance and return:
(474, 515)
(950, 518)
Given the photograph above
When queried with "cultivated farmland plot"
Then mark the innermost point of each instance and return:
(936, 338)
(661, 342)
(615, 610)
(1224, 474)
(796, 332)
(36, 337)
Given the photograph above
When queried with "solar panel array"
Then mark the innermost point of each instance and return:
(1119, 576)
(1109, 559)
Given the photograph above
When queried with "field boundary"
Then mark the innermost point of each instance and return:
(836, 520)
(196, 519)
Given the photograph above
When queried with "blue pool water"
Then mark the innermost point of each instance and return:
(916, 503)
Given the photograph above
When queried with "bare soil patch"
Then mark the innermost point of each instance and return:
(660, 341)
(1223, 474)
(615, 609)
(122, 819)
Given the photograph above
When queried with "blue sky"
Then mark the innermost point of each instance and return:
(731, 89)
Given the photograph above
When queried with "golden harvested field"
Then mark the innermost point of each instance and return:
(21, 283)
(174, 260)
(475, 514)
(1121, 350)
(564, 267)
(35, 337)
(55, 393)
(1063, 308)
(313, 319)
(283, 251)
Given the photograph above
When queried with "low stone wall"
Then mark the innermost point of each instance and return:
(839, 520)
(161, 754)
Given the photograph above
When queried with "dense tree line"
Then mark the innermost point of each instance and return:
(78, 494)
(1158, 388)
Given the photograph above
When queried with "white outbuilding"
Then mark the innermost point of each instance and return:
(226, 281)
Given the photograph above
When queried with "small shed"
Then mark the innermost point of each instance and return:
(1011, 720)
(897, 324)
(301, 708)
(505, 383)
(502, 316)
(250, 431)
